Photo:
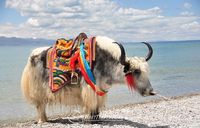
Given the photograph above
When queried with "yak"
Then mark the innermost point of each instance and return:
(111, 64)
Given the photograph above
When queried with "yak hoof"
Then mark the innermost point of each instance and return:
(40, 121)
(94, 117)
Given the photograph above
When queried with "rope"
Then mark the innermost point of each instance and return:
(163, 97)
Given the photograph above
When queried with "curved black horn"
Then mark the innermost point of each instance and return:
(123, 58)
(123, 54)
(150, 51)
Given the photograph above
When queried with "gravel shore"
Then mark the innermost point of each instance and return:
(176, 112)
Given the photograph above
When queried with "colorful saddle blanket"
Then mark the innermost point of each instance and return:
(63, 63)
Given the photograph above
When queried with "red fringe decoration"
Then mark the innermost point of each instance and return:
(130, 81)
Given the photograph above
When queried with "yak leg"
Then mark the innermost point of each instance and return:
(41, 113)
(95, 114)
(90, 102)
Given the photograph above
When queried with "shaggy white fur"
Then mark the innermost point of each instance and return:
(38, 51)
(106, 44)
(139, 63)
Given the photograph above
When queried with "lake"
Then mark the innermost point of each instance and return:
(175, 70)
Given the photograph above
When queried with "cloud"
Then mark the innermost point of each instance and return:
(33, 22)
(193, 26)
(54, 19)
(186, 13)
(187, 5)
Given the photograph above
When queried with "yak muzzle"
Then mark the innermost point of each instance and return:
(148, 92)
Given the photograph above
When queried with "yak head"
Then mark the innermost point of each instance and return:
(136, 71)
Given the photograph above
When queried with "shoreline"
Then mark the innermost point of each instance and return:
(177, 111)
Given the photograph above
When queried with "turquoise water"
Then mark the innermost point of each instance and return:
(175, 70)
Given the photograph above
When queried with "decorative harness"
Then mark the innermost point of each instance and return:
(68, 60)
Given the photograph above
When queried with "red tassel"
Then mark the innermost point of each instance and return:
(130, 81)
(73, 60)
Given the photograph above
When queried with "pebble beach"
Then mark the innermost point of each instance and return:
(173, 112)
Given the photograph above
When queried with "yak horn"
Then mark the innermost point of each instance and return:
(150, 51)
(123, 54)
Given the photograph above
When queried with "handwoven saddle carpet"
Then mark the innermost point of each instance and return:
(62, 61)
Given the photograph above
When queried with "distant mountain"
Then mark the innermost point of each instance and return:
(44, 42)
(24, 41)
(178, 41)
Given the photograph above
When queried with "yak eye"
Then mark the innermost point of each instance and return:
(137, 72)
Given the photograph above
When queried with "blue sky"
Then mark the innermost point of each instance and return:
(10, 15)
(169, 7)
(138, 20)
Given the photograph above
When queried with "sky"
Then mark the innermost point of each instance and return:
(121, 20)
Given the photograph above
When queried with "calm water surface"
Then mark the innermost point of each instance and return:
(175, 70)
